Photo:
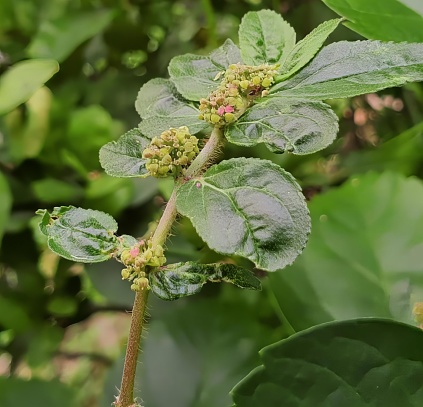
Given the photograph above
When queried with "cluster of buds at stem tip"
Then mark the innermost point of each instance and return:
(171, 152)
(238, 88)
(136, 259)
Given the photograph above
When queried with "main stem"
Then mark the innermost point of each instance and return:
(206, 157)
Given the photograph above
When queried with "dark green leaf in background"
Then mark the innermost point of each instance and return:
(194, 75)
(196, 350)
(5, 204)
(364, 257)
(21, 81)
(357, 363)
(307, 48)
(248, 207)
(161, 107)
(78, 234)
(386, 20)
(265, 37)
(17, 393)
(184, 279)
(123, 158)
(346, 69)
(59, 38)
(297, 126)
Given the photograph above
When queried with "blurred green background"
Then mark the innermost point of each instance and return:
(63, 326)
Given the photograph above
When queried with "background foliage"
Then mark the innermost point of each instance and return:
(63, 326)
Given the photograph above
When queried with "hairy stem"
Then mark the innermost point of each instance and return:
(206, 156)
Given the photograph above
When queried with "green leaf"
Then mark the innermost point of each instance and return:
(199, 349)
(306, 49)
(357, 363)
(346, 69)
(194, 75)
(13, 315)
(21, 81)
(123, 158)
(265, 37)
(17, 393)
(248, 207)
(5, 204)
(364, 256)
(386, 20)
(57, 39)
(183, 279)
(161, 107)
(77, 234)
(297, 126)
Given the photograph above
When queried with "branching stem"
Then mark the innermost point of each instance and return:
(206, 156)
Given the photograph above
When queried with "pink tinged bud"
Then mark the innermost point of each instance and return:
(229, 109)
(134, 252)
(198, 184)
(221, 110)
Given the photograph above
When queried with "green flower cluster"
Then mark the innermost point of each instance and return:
(169, 153)
(239, 86)
(136, 259)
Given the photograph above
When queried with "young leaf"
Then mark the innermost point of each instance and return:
(123, 158)
(297, 126)
(346, 69)
(77, 234)
(265, 37)
(306, 49)
(248, 207)
(183, 279)
(356, 363)
(386, 20)
(21, 81)
(161, 107)
(194, 75)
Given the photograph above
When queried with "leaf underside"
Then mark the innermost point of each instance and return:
(184, 279)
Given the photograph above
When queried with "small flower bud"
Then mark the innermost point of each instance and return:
(244, 84)
(214, 118)
(229, 117)
(266, 82)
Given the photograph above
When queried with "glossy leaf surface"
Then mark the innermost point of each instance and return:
(357, 363)
(161, 107)
(184, 279)
(265, 37)
(297, 126)
(307, 48)
(77, 234)
(364, 257)
(346, 69)
(386, 20)
(248, 207)
(194, 75)
(123, 158)
(21, 81)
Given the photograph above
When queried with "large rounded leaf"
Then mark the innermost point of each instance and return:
(358, 363)
(364, 257)
(248, 207)
(298, 126)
